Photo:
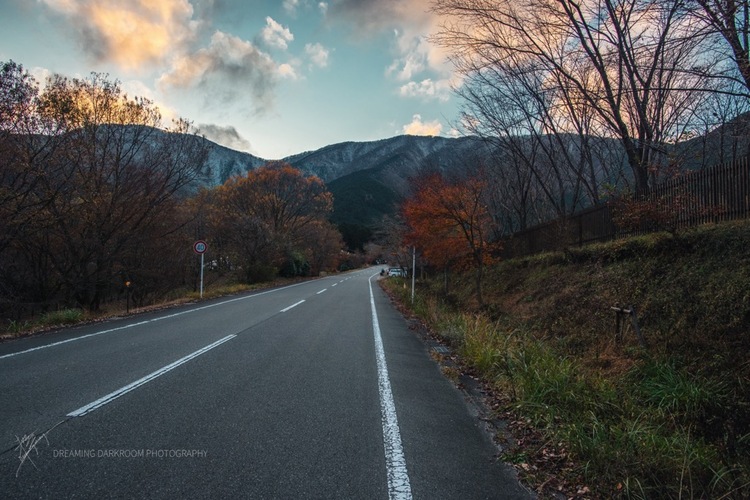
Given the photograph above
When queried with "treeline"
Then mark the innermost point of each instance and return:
(95, 193)
(580, 100)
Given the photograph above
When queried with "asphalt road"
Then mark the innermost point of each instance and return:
(315, 390)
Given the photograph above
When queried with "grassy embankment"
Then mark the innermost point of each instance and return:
(669, 420)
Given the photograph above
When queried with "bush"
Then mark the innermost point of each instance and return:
(61, 317)
(259, 273)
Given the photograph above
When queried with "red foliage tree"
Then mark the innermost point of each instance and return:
(450, 224)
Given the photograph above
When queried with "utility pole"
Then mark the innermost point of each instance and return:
(413, 270)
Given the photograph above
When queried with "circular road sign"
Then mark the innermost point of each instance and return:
(200, 247)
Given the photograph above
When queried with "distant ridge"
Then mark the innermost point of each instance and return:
(368, 180)
(403, 153)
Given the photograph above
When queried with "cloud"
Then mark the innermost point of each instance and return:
(411, 62)
(129, 33)
(41, 75)
(287, 70)
(136, 88)
(369, 17)
(411, 21)
(418, 127)
(427, 89)
(317, 54)
(276, 35)
(226, 136)
(290, 6)
(227, 69)
(414, 56)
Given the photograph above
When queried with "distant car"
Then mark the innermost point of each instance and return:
(396, 271)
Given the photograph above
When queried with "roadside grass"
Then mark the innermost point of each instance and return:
(72, 316)
(62, 317)
(668, 421)
(222, 290)
(47, 320)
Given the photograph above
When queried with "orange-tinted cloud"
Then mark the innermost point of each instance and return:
(418, 127)
(129, 33)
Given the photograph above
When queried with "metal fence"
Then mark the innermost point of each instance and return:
(712, 195)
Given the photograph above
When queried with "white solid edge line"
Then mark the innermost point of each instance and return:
(168, 316)
(395, 463)
(293, 305)
(83, 410)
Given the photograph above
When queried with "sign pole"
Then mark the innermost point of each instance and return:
(202, 274)
(413, 270)
(200, 248)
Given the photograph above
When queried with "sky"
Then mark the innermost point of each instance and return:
(270, 77)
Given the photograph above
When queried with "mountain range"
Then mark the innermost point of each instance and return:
(399, 155)
(368, 180)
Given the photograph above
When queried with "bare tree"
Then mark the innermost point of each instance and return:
(719, 131)
(510, 195)
(510, 105)
(26, 143)
(612, 67)
(729, 19)
(114, 174)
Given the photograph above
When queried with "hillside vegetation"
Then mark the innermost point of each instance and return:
(611, 417)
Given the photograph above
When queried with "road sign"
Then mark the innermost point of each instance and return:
(200, 247)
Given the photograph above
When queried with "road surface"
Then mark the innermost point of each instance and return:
(314, 390)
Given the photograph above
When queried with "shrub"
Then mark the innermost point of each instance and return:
(61, 317)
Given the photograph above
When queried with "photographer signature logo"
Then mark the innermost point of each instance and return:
(26, 445)
(29, 443)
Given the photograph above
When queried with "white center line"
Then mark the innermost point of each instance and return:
(395, 463)
(293, 305)
(323, 290)
(83, 410)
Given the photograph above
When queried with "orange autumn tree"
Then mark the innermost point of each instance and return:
(450, 224)
(270, 220)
